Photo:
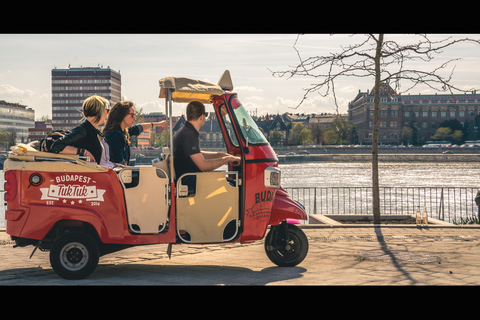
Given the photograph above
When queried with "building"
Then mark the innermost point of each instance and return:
(422, 113)
(210, 134)
(274, 122)
(16, 118)
(325, 120)
(71, 86)
(41, 129)
(155, 117)
(143, 139)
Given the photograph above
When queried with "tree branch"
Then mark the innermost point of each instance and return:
(357, 60)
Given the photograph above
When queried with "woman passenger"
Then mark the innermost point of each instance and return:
(119, 128)
(86, 139)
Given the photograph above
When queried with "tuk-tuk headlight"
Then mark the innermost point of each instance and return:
(272, 177)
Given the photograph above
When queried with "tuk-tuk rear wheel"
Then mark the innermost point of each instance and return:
(74, 255)
(283, 250)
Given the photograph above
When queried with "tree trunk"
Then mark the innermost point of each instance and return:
(376, 115)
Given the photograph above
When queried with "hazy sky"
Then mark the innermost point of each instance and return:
(26, 61)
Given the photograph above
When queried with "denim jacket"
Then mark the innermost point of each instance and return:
(119, 148)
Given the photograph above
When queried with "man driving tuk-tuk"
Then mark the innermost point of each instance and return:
(186, 146)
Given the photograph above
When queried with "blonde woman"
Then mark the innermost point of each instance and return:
(85, 139)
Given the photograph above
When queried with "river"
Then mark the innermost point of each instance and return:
(358, 174)
(391, 174)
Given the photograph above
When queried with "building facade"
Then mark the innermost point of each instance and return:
(41, 129)
(155, 117)
(422, 113)
(71, 86)
(16, 118)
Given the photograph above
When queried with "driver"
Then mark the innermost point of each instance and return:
(186, 147)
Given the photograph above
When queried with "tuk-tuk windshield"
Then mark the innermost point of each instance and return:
(249, 128)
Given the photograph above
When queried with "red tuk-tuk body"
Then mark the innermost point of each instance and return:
(79, 210)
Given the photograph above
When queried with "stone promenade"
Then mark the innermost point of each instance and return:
(338, 256)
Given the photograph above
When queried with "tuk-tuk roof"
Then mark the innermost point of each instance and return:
(186, 89)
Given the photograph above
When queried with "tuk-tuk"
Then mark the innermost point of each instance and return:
(79, 210)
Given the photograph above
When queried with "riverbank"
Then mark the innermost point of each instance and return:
(351, 154)
(361, 157)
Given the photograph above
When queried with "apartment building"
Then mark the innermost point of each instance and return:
(71, 86)
(16, 118)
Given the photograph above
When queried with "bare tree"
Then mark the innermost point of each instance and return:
(385, 61)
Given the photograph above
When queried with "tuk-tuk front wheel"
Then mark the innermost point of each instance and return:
(286, 245)
(74, 255)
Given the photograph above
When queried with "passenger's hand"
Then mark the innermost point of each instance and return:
(88, 154)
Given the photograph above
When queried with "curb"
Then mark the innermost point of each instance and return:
(337, 221)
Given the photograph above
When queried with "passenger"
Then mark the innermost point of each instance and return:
(186, 146)
(119, 128)
(85, 139)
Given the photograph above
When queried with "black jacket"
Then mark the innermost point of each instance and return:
(83, 136)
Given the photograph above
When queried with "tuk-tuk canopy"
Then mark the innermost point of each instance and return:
(186, 89)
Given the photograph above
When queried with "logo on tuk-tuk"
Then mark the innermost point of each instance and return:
(262, 207)
(77, 191)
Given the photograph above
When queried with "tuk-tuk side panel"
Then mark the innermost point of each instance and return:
(14, 213)
(258, 202)
(41, 219)
(96, 198)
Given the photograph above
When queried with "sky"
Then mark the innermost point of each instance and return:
(26, 61)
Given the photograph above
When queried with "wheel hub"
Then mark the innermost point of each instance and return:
(74, 256)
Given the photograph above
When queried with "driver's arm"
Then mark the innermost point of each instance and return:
(213, 155)
(210, 162)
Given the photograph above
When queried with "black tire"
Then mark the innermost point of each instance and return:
(74, 255)
(283, 255)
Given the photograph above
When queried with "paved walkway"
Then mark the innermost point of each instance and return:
(352, 255)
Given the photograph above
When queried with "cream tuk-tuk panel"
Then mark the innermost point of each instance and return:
(206, 215)
(146, 197)
(24, 157)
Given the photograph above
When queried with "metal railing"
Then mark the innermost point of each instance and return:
(443, 203)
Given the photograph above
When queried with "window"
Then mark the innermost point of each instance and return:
(452, 114)
(425, 114)
(434, 114)
(443, 114)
